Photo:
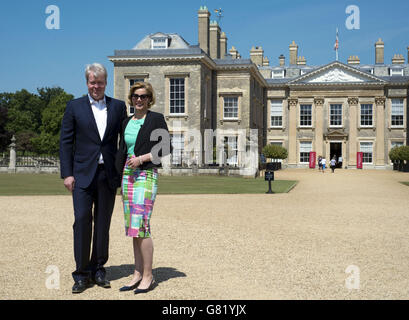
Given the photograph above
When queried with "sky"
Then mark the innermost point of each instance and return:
(33, 54)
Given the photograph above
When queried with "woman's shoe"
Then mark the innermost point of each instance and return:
(129, 288)
(151, 286)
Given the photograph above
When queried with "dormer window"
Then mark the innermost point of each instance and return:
(278, 74)
(396, 72)
(159, 43)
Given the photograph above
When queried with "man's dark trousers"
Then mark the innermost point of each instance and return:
(100, 196)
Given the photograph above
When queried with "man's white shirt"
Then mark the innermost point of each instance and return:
(99, 109)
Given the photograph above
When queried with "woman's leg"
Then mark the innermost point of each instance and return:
(146, 249)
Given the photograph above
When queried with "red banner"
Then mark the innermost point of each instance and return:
(359, 159)
(312, 159)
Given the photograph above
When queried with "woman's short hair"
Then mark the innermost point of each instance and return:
(149, 91)
(96, 69)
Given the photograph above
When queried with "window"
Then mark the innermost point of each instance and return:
(396, 72)
(306, 115)
(133, 81)
(178, 145)
(177, 96)
(396, 144)
(335, 116)
(159, 43)
(397, 113)
(230, 108)
(278, 74)
(230, 149)
(305, 149)
(276, 113)
(367, 149)
(366, 115)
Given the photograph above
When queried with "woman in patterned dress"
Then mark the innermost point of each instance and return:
(141, 153)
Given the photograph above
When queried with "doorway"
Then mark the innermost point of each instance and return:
(336, 150)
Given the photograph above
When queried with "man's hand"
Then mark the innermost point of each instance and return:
(69, 183)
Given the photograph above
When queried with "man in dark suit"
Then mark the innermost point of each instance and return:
(88, 145)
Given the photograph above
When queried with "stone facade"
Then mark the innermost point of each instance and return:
(335, 109)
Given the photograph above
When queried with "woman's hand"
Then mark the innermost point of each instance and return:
(134, 162)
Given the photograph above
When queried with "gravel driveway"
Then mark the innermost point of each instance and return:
(334, 236)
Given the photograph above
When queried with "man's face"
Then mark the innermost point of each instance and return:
(96, 86)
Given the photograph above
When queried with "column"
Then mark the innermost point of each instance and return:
(292, 131)
(319, 124)
(380, 131)
(353, 128)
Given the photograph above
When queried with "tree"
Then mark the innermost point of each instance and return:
(273, 151)
(48, 139)
(5, 135)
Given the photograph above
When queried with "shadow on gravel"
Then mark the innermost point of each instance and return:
(160, 274)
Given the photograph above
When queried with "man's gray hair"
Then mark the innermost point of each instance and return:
(96, 69)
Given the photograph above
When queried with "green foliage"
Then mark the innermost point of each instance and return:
(35, 119)
(273, 151)
(400, 153)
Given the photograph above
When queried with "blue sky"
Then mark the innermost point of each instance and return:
(33, 56)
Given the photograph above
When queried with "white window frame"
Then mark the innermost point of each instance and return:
(364, 150)
(232, 142)
(305, 147)
(235, 108)
(300, 115)
(178, 144)
(277, 74)
(397, 112)
(395, 72)
(335, 115)
(278, 113)
(361, 115)
(159, 43)
(178, 100)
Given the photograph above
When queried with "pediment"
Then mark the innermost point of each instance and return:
(336, 73)
(335, 133)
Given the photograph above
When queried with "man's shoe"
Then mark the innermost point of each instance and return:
(102, 282)
(81, 285)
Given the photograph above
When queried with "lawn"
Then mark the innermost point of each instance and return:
(51, 184)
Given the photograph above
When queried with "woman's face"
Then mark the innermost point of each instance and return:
(140, 99)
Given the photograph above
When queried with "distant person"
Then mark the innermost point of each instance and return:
(88, 144)
(319, 163)
(323, 162)
(333, 164)
(340, 162)
(138, 161)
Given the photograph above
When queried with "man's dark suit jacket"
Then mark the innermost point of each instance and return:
(81, 145)
(146, 141)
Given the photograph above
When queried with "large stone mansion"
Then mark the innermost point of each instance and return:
(335, 109)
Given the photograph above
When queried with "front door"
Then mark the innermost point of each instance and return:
(335, 151)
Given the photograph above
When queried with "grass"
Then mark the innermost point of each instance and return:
(51, 184)
(405, 183)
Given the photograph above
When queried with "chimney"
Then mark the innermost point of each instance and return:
(266, 62)
(379, 45)
(398, 59)
(203, 18)
(214, 45)
(256, 55)
(281, 59)
(353, 60)
(223, 45)
(234, 53)
(293, 53)
(301, 61)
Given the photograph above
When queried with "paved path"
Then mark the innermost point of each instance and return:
(282, 246)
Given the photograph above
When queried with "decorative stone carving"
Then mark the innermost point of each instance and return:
(353, 101)
(292, 102)
(336, 75)
(319, 101)
(380, 101)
